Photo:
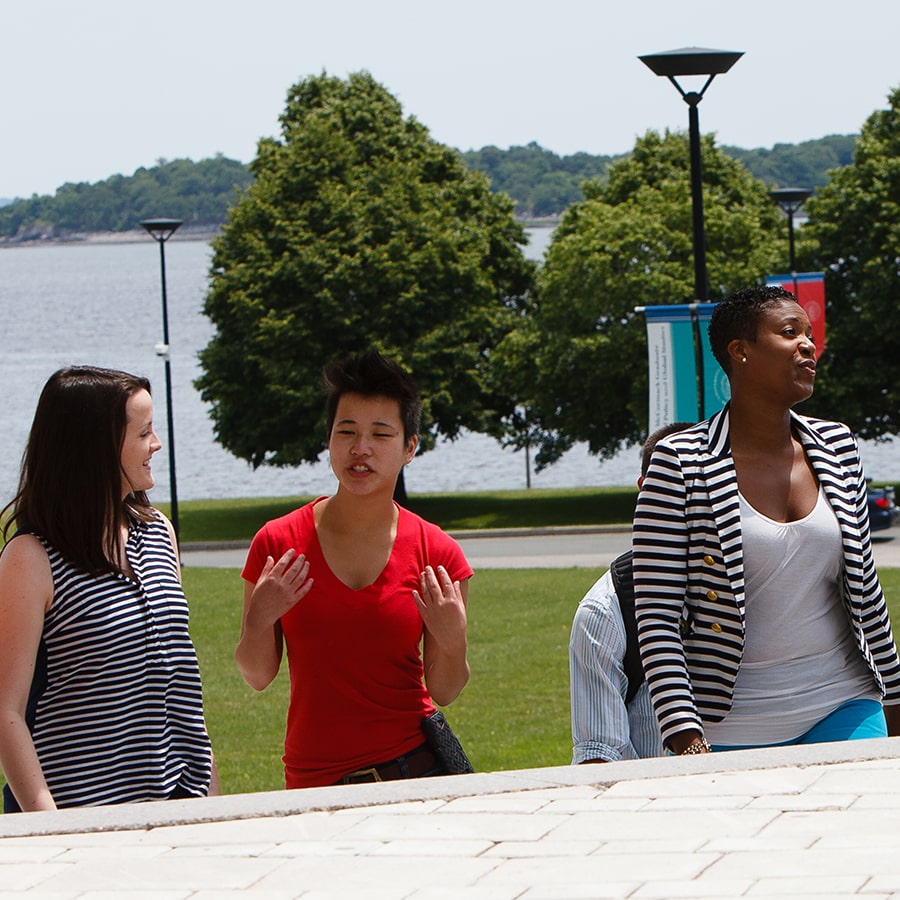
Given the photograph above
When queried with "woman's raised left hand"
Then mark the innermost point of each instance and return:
(442, 605)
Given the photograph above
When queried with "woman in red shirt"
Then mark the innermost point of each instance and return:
(368, 598)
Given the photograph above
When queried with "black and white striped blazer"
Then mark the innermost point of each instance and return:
(689, 571)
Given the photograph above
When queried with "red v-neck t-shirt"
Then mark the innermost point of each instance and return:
(357, 691)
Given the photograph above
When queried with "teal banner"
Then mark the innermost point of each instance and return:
(716, 390)
(686, 382)
(673, 365)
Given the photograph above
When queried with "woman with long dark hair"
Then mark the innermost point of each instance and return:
(100, 694)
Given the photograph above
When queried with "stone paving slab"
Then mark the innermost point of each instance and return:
(819, 822)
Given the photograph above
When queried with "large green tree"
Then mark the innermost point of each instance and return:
(579, 370)
(358, 231)
(853, 235)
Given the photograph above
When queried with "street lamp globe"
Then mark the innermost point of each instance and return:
(790, 199)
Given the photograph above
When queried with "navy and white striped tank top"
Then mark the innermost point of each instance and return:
(116, 712)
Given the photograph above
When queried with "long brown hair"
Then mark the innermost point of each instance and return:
(70, 483)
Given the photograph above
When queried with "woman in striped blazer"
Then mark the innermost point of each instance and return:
(761, 619)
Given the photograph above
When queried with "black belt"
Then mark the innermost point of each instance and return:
(411, 765)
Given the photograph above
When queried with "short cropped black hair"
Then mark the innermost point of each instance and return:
(373, 375)
(737, 318)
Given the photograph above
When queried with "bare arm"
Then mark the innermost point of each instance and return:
(443, 604)
(261, 644)
(892, 717)
(215, 786)
(26, 591)
(171, 529)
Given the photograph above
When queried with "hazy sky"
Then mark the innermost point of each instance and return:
(100, 87)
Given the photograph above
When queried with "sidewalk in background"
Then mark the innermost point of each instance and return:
(582, 546)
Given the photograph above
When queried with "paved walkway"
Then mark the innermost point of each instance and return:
(820, 821)
(586, 547)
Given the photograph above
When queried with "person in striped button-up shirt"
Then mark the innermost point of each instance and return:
(761, 619)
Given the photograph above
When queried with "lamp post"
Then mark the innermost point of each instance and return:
(694, 61)
(161, 230)
(790, 200)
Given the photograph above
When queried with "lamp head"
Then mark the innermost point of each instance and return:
(161, 229)
(790, 199)
(691, 61)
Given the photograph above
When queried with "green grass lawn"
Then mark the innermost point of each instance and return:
(513, 714)
(238, 520)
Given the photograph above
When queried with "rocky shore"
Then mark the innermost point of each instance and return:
(185, 233)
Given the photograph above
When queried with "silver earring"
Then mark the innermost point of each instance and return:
(743, 359)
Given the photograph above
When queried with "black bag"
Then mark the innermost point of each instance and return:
(445, 744)
(623, 582)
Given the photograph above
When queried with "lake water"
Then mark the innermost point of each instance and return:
(101, 304)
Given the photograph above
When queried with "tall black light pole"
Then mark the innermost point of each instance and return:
(161, 230)
(694, 61)
(790, 200)
(709, 63)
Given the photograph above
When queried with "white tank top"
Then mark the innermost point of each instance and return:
(800, 660)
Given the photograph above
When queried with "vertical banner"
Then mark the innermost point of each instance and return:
(716, 390)
(673, 365)
(810, 292)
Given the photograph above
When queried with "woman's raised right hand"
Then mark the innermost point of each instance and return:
(281, 585)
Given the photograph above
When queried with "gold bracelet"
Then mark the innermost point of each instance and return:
(698, 745)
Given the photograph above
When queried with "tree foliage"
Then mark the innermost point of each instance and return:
(805, 165)
(853, 234)
(199, 193)
(358, 231)
(579, 368)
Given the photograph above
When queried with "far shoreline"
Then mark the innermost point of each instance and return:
(185, 233)
(133, 236)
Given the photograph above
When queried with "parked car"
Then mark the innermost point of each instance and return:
(883, 511)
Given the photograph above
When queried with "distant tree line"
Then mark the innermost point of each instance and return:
(540, 183)
(808, 165)
(543, 184)
(200, 193)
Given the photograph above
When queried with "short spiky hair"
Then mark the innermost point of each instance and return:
(373, 375)
(737, 318)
